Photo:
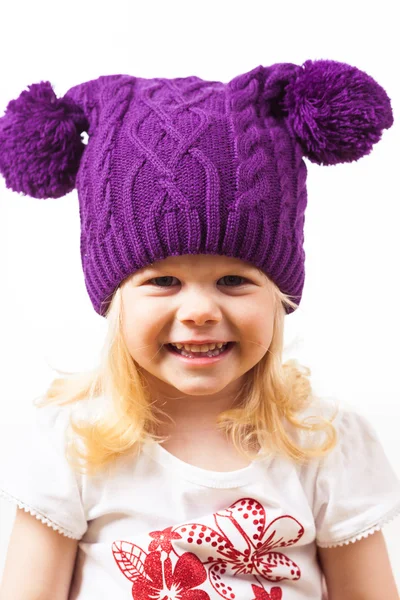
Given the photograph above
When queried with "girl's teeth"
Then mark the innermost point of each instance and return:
(198, 348)
(209, 350)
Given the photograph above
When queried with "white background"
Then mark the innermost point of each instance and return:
(347, 327)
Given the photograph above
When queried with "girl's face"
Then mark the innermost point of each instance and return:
(197, 297)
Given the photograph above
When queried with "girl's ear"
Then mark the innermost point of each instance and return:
(336, 111)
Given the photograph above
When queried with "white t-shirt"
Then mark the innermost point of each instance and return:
(156, 527)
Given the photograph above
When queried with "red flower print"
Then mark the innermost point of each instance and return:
(163, 539)
(239, 552)
(244, 544)
(153, 577)
(261, 594)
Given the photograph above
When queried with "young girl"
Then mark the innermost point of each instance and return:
(193, 464)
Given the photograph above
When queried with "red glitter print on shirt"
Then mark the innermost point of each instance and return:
(237, 557)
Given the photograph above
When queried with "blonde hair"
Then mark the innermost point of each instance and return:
(272, 394)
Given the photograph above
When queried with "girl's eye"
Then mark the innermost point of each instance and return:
(162, 279)
(229, 279)
(167, 278)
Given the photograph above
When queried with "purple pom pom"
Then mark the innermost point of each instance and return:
(337, 111)
(40, 143)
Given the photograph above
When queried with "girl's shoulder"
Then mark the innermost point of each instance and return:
(36, 476)
(353, 490)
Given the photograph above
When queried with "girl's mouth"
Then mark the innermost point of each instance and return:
(201, 358)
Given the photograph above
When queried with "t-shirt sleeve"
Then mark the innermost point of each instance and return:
(36, 476)
(356, 490)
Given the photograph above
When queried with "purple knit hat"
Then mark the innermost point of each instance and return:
(188, 166)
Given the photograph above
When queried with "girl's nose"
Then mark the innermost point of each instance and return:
(199, 308)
